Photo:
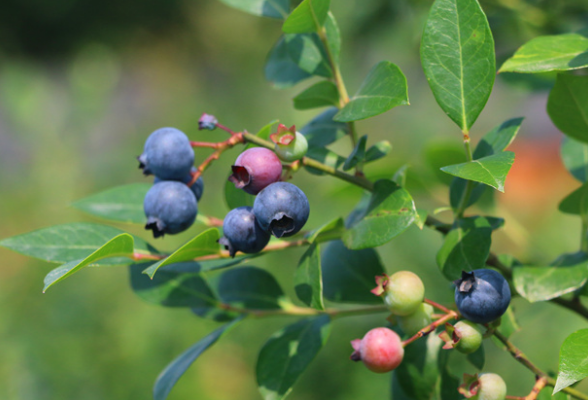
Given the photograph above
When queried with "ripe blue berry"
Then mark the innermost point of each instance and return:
(197, 188)
(242, 233)
(167, 154)
(281, 208)
(482, 295)
(256, 168)
(170, 207)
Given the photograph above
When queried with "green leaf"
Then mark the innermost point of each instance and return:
(321, 94)
(323, 130)
(508, 323)
(477, 358)
(574, 155)
(573, 360)
(457, 189)
(263, 133)
(122, 203)
(550, 53)
(567, 105)
(173, 372)
(119, 246)
(349, 275)
(466, 247)
(71, 242)
(333, 36)
(384, 88)
(457, 53)
(545, 283)
(251, 288)
(391, 210)
(419, 372)
(309, 54)
(203, 244)
(357, 154)
(285, 356)
(280, 69)
(498, 139)
(309, 16)
(308, 281)
(329, 231)
(491, 170)
(547, 394)
(326, 157)
(576, 202)
(237, 197)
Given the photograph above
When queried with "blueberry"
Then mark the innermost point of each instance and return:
(482, 295)
(197, 187)
(167, 154)
(170, 207)
(256, 168)
(281, 208)
(242, 233)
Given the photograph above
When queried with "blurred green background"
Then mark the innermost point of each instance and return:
(83, 83)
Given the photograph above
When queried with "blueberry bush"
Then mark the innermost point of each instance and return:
(340, 273)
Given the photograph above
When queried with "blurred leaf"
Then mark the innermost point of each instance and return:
(309, 16)
(287, 353)
(357, 154)
(457, 190)
(498, 139)
(322, 130)
(576, 202)
(573, 360)
(466, 247)
(71, 242)
(567, 105)
(508, 323)
(325, 156)
(119, 246)
(550, 53)
(574, 155)
(172, 373)
(457, 53)
(203, 244)
(547, 394)
(419, 372)
(280, 68)
(349, 275)
(250, 288)
(122, 203)
(308, 281)
(477, 358)
(263, 133)
(237, 197)
(545, 283)
(263, 8)
(449, 386)
(377, 151)
(308, 53)
(384, 88)
(440, 154)
(328, 231)
(491, 170)
(397, 392)
(333, 36)
(391, 210)
(320, 94)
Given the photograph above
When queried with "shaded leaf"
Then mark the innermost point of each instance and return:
(308, 281)
(320, 94)
(576, 202)
(333, 36)
(391, 210)
(250, 288)
(377, 151)
(237, 197)
(384, 88)
(309, 16)
(308, 53)
(280, 69)
(173, 372)
(457, 190)
(573, 360)
(477, 358)
(357, 154)
(545, 283)
(349, 275)
(550, 53)
(457, 54)
(574, 155)
(263, 8)
(328, 231)
(287, 353)
(491, 170)
(567, 105)
(323, 130)
(498, 139)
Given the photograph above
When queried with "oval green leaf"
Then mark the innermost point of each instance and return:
(250, 288)
(280, 69)
(308, 282)
(567, 105)
(309, 16)
(307, 51)
(323, 130)
(320, 94)
(573, 360)
(491, 170)
(576, 202)
(545, 283)
(574, 155)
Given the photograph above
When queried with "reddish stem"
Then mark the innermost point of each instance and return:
(224, 128)
(438, 306)
(431, 327)
(236, 138)
(205, 144)
(141, 256)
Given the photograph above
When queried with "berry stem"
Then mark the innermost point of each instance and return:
(224, 128)
(293, 310)
(438, 306)
(205, 144)
(431, 327)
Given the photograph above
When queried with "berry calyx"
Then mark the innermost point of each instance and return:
(487, 386)
(242, 233)
(465, 336)
(167, 154)
(482, 295)
(290, 145)
(255, 169)
(416, 321)
(403, 292)
(170, 207)
(380, 350)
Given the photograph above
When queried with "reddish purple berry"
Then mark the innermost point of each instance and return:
(380, 350)
(255, 169)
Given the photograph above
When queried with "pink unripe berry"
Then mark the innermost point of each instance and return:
(380, 350)
(255, 169)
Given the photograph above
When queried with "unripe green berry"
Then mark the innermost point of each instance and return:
(404, 292)
(492, 387)
(469, 335)
(416, 321)
(293, 151)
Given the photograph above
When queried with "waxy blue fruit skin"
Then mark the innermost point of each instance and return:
(167, 155)
(281, 208)
(242, 233)
(482, 295)
(197, 188)
(170, 207)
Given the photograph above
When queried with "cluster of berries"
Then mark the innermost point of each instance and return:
(481, 297)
